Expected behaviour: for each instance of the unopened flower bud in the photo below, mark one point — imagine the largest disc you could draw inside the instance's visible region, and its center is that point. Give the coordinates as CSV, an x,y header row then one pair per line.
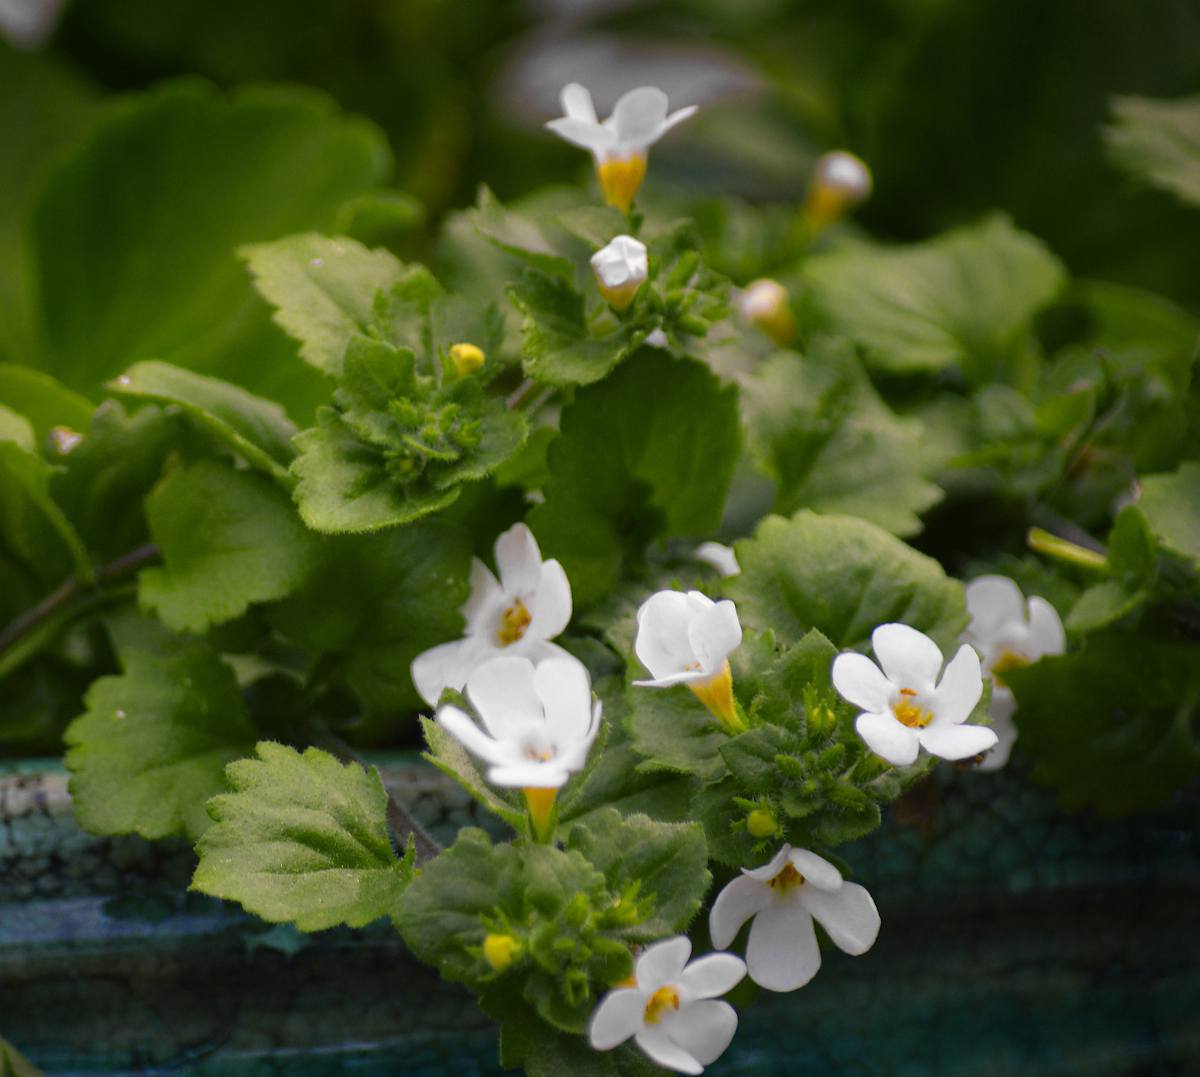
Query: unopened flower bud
x,y
761,824
499,951
620,269
467,358
765,304
840,182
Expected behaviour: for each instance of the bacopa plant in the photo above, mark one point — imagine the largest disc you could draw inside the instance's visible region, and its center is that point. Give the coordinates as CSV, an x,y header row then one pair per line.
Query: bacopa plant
x,y
629,535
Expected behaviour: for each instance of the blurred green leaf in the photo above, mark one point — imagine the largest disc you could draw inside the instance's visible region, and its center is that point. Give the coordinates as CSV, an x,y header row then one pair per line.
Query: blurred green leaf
x,y
1171,504
1159,142
44,402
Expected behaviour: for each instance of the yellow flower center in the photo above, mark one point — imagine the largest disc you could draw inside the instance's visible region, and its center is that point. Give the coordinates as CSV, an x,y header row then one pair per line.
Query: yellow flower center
x,y
787,879
665,998
910,713
1007,661
621,178
513,623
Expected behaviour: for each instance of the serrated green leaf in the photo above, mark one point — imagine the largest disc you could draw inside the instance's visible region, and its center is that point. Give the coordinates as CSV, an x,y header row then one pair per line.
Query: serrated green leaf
x,y
517,235
964,299
1159,142
671,729
228,539
302,839
153,744
257,430
667,861
1171,504
453,760
669,433
1114,726
843,577
831,444
323,290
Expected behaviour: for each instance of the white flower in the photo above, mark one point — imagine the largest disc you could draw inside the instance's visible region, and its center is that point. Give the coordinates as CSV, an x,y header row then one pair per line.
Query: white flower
x,y
721,557
764,303
620,269
687,639
905,706
28,24
1008,632
538,721
840,181
517,615
619,144
672,1013
784,897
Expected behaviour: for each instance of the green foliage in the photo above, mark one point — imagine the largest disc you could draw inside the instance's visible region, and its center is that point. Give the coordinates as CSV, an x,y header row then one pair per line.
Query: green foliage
x,y
302,838
669,434
1171,504
153,743
1116,725
44,402
1159,142
1132,567
228,539
787,585
831,444
965,299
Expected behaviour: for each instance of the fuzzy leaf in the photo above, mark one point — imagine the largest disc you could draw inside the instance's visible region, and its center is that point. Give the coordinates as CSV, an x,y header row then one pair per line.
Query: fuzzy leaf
x,y
302,839
1171,504
1159,141
453,760
228,539
153,744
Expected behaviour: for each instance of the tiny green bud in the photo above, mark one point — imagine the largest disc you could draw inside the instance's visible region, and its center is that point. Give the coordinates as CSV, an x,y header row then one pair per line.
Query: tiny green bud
x,y
761,824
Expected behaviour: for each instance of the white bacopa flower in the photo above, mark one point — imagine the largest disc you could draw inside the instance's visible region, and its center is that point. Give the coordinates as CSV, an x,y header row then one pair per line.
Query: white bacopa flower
x,y
764,303
620,268
905,706
840,181
1008,632
516,615
784,897
687,639
672,1010
719,556
619,144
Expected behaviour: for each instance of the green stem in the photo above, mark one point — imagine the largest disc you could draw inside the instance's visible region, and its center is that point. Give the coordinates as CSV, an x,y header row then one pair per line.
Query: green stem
x,y
1061,549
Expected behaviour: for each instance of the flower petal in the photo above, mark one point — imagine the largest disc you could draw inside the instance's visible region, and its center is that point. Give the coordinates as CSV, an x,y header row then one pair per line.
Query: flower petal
x,y
660,1048
712,975
714,634
704,1029
782,953
960,688
662,644
529,774
565,691
739,899
956,741
662,963
816,869
677,117
638,117
577,103
721,557
993,603
519,561
618,1017
485,593
590,136
1001,711
1045,628
908,657
888,738
471,737
862,682
551,602
503,693
848,915
772,867
445,666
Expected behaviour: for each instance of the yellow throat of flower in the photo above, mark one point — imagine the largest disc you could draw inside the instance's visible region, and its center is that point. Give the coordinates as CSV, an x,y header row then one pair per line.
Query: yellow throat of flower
x,y
664,999
716,693
513,623
1007,661
621,178
909,713
540,804
787,879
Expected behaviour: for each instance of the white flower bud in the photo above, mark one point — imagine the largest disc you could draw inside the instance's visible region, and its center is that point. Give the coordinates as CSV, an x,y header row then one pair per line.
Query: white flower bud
x,y
620,270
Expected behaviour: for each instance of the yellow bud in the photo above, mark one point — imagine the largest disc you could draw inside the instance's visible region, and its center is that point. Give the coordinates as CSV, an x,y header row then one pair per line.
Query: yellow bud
x,y
840,182
500,950
540,803
765,304
467,358
621,178
761,824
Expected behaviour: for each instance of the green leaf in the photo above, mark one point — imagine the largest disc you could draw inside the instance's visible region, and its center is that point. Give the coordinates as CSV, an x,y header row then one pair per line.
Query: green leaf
x,y
1133,563
140,262
152,746
1171,504
1115,726
667,861
964,299
323,290
517,235
228,539
786,584
1159,142
44,402
672,730
257,430
15,1064
831,444
452,759
302,839
669,434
